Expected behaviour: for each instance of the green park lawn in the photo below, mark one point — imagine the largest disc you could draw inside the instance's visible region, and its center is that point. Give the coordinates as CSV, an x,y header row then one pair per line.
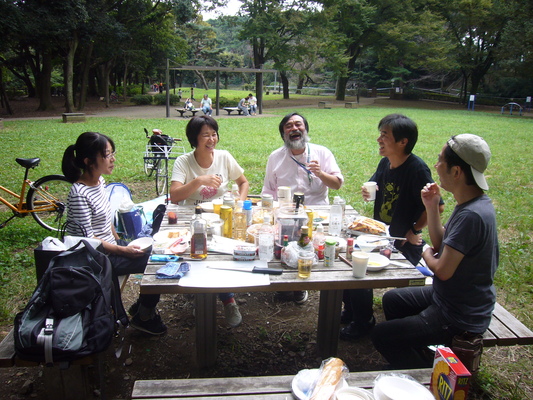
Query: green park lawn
x,y
351,135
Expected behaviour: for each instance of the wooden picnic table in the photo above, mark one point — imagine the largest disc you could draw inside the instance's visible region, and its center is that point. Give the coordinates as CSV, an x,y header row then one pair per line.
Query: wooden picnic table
x,y
330,281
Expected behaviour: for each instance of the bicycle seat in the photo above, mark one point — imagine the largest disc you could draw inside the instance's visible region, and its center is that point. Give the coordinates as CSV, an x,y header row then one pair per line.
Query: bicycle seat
x,y
160,140
28,162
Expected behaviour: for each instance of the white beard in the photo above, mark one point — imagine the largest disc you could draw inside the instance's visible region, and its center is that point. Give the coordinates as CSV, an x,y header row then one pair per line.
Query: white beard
x,y
298,144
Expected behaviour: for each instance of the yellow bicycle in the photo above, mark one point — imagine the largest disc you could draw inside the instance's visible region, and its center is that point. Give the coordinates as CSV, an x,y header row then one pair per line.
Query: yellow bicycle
x,y
46,198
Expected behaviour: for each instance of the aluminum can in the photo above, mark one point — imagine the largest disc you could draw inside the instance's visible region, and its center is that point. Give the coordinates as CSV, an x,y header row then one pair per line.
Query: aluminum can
x,y
310,219
226,215
284,195
298,199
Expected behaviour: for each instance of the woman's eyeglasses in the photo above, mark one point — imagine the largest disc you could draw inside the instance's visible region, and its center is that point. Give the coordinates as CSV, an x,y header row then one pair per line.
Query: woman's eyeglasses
x,y
108,156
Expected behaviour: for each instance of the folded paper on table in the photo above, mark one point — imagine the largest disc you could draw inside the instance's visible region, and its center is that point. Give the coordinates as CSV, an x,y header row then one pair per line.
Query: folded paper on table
x,y
201,276
223,245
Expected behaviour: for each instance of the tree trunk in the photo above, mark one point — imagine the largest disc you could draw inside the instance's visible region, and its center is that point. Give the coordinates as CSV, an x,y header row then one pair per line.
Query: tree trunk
x,y
202,78
3,94
340,90
300,84
84,84
285,82
124,80
45,84
69,73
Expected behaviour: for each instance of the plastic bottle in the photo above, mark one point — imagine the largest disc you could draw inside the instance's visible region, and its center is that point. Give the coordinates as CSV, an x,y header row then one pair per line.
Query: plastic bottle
x,y
319,241
335,219
247,208
304,240
284,249
198,235
235,192
329,252
239,222
349,248
266,240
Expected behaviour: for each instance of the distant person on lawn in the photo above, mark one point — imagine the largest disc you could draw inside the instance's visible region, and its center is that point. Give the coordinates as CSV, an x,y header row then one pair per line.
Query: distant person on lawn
x,y
207,105
464,259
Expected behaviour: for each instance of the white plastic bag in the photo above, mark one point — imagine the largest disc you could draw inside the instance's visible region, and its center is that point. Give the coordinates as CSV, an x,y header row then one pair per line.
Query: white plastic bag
x,y
53,244
289,254
126,205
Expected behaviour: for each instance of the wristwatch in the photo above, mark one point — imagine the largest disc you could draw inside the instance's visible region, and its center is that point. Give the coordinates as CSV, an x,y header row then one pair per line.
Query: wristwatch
x,y
415,231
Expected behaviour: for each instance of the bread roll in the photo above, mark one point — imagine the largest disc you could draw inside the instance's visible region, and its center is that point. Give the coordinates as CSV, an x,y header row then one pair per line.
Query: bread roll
x,y
330,376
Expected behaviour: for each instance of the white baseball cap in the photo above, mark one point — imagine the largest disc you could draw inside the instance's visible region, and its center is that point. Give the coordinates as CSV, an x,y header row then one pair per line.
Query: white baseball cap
x,y
473,150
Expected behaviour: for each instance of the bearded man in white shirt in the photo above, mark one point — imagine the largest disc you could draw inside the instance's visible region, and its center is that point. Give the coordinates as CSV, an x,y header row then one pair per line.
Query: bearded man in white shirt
x,y
305,167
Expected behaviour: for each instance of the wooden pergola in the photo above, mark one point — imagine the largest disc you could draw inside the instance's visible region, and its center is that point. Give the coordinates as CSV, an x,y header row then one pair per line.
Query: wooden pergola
x,y
258,81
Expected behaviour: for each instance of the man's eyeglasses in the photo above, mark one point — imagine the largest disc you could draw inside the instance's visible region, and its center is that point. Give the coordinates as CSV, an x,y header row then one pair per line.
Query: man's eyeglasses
x,y
108,156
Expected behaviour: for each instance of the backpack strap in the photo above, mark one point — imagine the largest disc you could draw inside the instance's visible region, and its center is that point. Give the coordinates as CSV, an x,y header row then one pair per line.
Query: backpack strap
x,y
116,299
45,338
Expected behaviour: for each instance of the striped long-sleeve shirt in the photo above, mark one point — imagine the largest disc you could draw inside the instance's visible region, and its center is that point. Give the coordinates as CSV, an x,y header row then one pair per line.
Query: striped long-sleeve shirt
x,y
89,207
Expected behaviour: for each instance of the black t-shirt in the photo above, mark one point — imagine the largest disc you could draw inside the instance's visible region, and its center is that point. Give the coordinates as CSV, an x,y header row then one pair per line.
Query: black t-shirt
x,y
398,201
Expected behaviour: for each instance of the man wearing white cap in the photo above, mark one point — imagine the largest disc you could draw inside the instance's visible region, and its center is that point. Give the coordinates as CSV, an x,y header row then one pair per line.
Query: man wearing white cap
x,y
464,259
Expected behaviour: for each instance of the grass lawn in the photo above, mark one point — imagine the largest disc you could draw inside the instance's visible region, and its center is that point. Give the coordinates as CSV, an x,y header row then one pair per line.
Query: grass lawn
x,y
351,135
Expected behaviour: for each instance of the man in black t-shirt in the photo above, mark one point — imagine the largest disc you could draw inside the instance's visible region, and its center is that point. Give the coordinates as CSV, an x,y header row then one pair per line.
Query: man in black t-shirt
x,y
464,259
400,176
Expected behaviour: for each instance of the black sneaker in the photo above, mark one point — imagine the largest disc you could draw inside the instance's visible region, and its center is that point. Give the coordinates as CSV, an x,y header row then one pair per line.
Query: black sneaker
x,y
134,308
346,317
153,326
355,331
300,296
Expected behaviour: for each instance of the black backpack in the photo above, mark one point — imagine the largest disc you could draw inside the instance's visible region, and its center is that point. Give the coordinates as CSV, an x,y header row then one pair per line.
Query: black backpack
x,y
75,310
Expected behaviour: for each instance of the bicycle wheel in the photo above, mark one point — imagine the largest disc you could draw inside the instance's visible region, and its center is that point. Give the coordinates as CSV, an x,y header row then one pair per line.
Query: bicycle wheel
x,y
48,198
161,177
148,161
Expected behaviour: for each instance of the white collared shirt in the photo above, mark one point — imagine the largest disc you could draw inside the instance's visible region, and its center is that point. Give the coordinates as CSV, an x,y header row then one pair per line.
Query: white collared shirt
x,y
281,170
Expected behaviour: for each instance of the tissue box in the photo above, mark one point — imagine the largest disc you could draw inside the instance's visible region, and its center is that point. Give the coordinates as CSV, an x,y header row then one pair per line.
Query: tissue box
x,y
450,378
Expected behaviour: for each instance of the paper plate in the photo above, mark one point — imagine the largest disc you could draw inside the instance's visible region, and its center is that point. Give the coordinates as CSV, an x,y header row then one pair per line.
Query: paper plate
x,y
302,383
376,262
400,388
144,243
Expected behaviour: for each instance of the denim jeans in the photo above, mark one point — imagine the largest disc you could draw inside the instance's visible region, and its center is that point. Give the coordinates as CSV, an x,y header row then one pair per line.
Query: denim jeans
x,y
413,323
206,110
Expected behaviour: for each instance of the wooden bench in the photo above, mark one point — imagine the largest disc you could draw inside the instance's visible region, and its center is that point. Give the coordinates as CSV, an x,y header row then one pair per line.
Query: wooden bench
x,y
182,111
61,383
73,117
231,109
324,104
350,104
247,388
506,330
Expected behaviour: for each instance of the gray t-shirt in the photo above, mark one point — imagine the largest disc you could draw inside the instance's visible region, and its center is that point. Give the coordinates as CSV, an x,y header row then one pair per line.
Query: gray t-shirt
x,y
467,298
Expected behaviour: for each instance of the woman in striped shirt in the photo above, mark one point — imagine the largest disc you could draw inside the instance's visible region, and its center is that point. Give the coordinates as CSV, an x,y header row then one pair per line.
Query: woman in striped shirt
x,y
83,164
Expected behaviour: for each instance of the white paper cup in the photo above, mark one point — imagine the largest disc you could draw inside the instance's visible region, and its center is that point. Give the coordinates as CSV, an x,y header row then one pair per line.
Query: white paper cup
x,y
359,264
371,187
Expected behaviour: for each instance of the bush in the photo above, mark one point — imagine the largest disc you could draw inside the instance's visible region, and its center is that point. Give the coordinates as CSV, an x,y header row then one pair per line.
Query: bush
x,y
225,102
142,99
133,90
161,99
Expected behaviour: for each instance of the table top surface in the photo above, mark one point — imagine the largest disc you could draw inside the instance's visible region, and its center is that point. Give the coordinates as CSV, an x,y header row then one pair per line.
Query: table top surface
x,y
337,277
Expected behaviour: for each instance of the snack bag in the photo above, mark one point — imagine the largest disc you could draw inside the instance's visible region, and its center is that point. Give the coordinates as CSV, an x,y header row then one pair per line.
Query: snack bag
x,y
450,378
